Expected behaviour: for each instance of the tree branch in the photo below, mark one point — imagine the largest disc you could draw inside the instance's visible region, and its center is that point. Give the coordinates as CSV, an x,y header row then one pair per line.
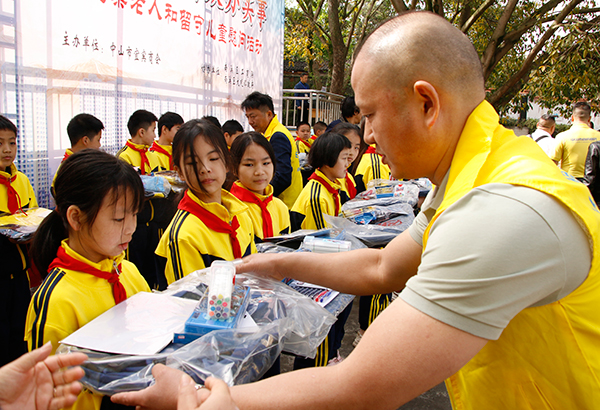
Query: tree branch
x,y
475,16
399,6
357,11
528,63
313,19
487,60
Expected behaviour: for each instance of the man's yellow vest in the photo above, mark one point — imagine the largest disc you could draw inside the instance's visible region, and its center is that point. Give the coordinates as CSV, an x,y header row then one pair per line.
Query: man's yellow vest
x,y
548,357
289,195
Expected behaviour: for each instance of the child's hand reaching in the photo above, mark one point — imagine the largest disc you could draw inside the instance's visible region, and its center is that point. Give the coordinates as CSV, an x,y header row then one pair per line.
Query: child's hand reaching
x,y
215,395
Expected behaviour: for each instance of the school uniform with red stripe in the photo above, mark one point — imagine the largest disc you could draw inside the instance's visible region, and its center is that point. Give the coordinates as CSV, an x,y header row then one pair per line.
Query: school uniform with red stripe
x,y
141,157
75,292
348,188
319,196
303,146
164,153
270,216
16,193
201,233
369,168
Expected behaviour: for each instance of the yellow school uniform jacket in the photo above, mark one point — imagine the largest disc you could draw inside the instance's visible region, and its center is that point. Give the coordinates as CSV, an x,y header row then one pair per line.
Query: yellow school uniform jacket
x,y
347,184
280,215
369,168
314,201
287,181
163,159
303,146
13,256
68,153
135,159
67,300
188,244
547,357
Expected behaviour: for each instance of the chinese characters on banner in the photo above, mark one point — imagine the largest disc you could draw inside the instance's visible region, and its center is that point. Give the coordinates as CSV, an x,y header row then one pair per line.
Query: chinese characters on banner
x,y
251,11
111,57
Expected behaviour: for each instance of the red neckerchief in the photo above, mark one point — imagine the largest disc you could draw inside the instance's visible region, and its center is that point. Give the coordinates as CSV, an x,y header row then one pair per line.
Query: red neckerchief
x,y
142,152
350,186
332,191
157,148
371,150
302,141
14,201
213,222
66,261
67,155
244,195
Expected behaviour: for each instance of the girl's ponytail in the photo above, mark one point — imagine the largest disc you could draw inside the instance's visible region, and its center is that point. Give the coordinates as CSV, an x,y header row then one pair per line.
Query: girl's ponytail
x,y
46,241
84,180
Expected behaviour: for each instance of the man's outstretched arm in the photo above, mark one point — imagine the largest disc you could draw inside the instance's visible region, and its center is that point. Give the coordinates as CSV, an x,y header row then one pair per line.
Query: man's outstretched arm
x,y
360,272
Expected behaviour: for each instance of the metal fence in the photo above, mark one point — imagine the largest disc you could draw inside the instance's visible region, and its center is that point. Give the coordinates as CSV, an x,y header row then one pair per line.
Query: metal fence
x,y
322,106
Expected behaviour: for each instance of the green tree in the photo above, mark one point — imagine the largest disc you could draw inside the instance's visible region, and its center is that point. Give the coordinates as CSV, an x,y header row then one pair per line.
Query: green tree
x,y
545,48
334,28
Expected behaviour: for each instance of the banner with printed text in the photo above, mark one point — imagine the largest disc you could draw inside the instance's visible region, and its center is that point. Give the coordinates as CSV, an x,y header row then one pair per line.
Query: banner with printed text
x,y
112,57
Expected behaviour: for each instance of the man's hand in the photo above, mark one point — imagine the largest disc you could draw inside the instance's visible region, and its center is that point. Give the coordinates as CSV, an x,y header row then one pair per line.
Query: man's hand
x,y
36,381
215,395
262,265
161,395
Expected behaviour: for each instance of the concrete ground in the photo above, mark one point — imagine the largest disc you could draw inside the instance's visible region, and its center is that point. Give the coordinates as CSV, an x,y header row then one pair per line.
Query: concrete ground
x,y
434,399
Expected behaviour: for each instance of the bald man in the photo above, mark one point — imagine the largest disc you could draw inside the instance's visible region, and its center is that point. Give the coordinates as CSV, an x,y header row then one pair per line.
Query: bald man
x,y
543,134
500,297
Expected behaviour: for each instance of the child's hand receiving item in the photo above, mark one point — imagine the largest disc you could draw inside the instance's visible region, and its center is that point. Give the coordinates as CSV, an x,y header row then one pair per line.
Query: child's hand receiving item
x,y
214,396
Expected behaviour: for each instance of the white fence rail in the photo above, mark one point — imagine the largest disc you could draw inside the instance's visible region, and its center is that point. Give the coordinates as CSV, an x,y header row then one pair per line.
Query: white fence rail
x,y
322,106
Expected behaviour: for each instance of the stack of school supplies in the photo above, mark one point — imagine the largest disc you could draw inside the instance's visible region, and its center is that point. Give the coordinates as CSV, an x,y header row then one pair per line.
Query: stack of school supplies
x,y
21,226
323,296
401,191
282,319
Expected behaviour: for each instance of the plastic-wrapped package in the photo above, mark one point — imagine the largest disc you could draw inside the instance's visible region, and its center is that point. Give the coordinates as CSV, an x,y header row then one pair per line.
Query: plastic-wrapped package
x,y
267,247
375,211
21,226
235,356
177,184
374,236
286,320
155,186
378,189
270,301
424,185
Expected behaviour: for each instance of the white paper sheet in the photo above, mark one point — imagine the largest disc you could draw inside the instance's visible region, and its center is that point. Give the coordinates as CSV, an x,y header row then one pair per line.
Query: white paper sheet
x,y
141,325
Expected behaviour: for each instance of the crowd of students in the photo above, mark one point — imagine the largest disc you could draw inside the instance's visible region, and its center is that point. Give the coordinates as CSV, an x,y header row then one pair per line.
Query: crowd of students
x,y
105,241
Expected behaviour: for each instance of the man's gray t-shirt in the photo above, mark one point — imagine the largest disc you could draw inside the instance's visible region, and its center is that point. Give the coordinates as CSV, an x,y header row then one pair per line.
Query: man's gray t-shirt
x,y
497,250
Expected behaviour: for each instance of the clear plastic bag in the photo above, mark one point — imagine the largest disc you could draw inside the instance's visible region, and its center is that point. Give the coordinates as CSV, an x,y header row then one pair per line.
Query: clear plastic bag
x,y
380,189
155,186
271,301
374,236
268,247
286,320
21,226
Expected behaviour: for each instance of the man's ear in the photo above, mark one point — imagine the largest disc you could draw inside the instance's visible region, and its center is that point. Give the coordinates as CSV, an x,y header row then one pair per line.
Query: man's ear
x,y
429,99
85,140
75,217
